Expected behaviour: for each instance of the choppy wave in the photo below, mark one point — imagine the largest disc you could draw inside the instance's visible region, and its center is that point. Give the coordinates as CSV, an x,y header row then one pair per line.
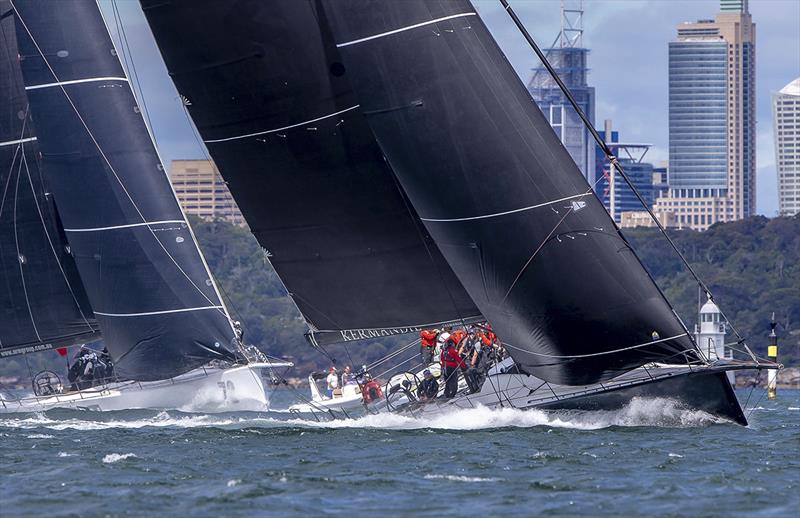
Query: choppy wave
x,y
461,478
639,412
116,457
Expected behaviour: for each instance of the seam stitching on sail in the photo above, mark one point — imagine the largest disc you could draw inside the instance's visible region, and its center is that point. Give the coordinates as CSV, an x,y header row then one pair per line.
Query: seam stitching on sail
x,y
18,141
148,313
75,82
282,128
403,29
146,223
470,218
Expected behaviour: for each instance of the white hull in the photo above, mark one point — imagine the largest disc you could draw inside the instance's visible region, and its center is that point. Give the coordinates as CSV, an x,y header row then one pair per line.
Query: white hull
x,y
208,389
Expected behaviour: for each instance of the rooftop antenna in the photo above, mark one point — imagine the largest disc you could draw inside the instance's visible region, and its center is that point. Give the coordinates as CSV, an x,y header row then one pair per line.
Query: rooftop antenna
x,y
571,35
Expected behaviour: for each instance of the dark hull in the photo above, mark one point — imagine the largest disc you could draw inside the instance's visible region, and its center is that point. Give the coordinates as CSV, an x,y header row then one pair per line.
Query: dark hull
x,y
704,388
707,391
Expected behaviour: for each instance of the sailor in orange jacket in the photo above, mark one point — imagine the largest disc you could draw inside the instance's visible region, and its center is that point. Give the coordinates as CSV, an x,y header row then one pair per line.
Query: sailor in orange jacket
x,y
427,344
451,364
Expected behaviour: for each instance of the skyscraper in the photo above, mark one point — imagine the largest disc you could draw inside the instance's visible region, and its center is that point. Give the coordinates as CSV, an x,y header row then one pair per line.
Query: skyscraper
x,y
712,119
786,124
568,57
617,193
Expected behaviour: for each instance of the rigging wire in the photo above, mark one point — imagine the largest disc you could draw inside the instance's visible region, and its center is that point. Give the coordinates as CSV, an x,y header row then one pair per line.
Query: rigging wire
x,y
607,151
127,54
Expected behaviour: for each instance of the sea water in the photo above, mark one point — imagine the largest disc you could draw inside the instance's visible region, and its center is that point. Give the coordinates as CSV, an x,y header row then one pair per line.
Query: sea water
x,y
650,458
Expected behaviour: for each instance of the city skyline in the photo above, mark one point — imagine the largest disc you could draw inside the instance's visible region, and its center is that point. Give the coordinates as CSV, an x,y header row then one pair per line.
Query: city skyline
x,y
627,61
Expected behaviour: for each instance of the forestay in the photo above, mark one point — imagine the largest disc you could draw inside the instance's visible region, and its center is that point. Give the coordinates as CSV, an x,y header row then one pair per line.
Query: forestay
x,y
151,291
268,93
519,225
42,301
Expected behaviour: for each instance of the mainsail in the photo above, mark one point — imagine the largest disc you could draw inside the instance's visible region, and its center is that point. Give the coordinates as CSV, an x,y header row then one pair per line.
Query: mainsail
x,y
140,264
519,225
268,93
42,301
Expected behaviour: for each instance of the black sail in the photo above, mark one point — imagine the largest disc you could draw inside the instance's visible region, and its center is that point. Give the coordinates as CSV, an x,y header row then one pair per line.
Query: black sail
x,y
519,225
42,301
148,284
266,90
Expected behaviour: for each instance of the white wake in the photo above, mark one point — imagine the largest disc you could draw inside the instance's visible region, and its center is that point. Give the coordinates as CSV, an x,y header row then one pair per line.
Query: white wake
x,y
639,412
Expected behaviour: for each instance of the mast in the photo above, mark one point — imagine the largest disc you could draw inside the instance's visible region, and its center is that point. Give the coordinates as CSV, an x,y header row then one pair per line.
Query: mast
x,y
150,288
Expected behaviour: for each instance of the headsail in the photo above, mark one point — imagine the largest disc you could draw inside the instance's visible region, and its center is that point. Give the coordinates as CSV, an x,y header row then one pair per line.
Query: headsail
x,y
267,93
520,226
150,288
42,301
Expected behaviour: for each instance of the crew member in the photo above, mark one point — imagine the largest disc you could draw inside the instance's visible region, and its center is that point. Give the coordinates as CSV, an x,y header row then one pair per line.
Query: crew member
x,y
332,381
81,372
348,378
451,362
371,390
428,387
482,359
427,344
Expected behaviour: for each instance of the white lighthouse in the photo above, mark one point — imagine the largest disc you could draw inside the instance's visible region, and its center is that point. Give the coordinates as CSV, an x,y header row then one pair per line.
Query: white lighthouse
x,y
710,334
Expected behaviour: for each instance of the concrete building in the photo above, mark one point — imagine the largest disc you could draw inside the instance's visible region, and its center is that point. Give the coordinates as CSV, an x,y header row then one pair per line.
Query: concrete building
x,y
786,126
615,193
633,219
712,119
569,58
202,192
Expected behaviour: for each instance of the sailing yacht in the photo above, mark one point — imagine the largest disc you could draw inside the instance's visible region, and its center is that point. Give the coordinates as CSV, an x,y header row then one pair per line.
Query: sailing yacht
x,y
398,172
94,244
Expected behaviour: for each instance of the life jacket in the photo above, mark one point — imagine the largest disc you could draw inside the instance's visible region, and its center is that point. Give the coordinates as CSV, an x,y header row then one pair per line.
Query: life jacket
x,y
457,336
371,391
450,357
488,337
428,338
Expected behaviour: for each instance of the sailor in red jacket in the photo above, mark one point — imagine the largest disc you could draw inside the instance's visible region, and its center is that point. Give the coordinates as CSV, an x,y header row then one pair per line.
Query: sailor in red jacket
x,y
451,364
427,344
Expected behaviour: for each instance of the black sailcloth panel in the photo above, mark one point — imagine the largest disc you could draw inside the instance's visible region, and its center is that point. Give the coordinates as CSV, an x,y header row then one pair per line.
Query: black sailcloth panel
x,y
509,209
147,282
266,91
42,301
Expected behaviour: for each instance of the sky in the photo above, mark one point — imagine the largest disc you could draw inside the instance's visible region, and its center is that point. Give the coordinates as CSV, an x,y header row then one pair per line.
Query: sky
x,y
627,60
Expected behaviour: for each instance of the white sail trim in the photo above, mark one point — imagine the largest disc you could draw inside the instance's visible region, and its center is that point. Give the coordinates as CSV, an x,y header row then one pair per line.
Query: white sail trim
x,y
248,135
403,29
150,313
545,204
75,82
19,141
146,223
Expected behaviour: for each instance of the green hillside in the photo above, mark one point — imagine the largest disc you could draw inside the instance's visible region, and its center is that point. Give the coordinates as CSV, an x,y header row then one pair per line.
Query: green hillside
x,y
752,267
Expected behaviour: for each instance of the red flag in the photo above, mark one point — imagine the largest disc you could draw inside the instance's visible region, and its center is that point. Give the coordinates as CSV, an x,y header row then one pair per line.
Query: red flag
x,y
62,351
